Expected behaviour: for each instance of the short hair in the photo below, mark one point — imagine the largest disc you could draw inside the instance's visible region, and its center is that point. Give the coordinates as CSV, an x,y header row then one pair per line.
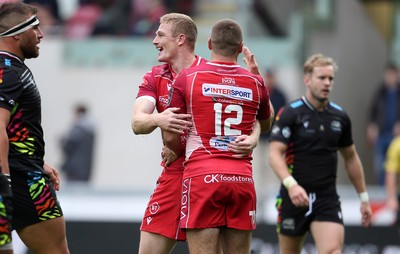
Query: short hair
x,y
226,37
318,60
181,24
13,13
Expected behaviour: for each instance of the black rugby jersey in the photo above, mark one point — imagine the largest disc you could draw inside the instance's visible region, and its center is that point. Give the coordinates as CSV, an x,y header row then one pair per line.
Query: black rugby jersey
x,y
19,95
313,139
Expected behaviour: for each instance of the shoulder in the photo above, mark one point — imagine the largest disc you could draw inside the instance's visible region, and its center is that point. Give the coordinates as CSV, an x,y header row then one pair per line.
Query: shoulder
x,y
296,104
161,70
337,109
11,62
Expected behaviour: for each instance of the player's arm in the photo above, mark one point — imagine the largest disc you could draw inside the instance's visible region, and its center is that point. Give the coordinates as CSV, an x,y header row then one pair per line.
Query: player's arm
x,y
144,120
267,124
391,172
4,143
243,145
297,194
355,173
391,190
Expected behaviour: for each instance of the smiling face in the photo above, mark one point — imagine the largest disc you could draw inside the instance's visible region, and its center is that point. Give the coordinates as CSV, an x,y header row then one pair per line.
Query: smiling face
x,y
319,83
166,43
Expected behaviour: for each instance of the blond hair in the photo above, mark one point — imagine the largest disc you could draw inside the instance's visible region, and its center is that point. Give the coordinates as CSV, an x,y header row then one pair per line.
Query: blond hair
x,y
318,60
181,24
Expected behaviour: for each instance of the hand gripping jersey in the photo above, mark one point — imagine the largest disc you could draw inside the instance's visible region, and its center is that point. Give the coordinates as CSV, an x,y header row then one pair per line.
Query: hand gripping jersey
x,y
313,139
224,101
156,87
20,95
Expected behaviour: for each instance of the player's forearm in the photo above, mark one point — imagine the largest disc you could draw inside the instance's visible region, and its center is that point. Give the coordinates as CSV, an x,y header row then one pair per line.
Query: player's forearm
x,y
256,130
4,146
267,124
391,185
172,141
355,173
143,123
278,164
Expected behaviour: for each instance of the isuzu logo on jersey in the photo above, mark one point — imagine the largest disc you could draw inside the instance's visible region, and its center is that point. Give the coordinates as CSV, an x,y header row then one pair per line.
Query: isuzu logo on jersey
x,y
227,91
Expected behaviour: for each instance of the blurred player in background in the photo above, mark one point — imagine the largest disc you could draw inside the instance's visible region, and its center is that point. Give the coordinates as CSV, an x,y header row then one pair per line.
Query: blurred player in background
x,y
305,139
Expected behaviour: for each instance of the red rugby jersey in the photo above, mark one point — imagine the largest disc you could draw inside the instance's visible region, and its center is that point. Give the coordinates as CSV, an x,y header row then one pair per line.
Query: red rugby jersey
x,y
156,87
225,100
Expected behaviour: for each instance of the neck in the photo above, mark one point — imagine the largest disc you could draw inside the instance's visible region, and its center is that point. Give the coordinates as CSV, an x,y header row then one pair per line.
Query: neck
x,y
10,46
227,59
183,61
317,104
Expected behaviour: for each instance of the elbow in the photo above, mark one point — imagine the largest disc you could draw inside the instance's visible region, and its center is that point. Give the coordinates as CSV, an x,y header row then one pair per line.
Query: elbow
x,y
135,128
138,128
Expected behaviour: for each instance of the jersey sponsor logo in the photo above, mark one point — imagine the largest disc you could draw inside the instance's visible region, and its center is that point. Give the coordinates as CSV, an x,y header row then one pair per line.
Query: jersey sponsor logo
x,y
149,219
288,224
233,92
216,178
230,81
1,75
336,126
154,208
7,62
163,100
286,132
221,142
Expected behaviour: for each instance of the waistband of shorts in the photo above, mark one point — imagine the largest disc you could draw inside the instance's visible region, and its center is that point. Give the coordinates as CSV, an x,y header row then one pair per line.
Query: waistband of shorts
x,y
18,158
227,178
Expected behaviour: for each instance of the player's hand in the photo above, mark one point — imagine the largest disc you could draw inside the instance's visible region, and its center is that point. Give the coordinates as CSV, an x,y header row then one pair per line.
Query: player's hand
x,y
168,156
170,121
53,174
250,61
298,196
366,214
242,146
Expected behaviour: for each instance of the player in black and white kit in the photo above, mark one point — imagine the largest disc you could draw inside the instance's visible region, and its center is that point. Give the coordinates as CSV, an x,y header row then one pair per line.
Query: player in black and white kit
x,y
304,142
37,216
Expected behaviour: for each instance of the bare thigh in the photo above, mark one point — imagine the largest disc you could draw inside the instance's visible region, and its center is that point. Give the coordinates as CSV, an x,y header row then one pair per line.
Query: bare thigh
x,y
291,244
47,237
203,241
328,236
151,243
236,241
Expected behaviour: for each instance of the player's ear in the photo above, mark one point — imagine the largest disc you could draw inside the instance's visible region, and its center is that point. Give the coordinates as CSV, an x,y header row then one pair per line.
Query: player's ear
x,y
306,78
181,39
209,44
240,49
